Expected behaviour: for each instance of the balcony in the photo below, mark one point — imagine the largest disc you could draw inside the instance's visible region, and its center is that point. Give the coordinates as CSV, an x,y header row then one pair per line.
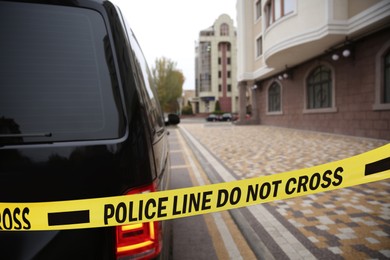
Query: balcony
x,y
316,26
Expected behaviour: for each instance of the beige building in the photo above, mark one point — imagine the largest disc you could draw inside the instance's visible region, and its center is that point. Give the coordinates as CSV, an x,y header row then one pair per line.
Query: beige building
x,y
320,65
187,99
216,67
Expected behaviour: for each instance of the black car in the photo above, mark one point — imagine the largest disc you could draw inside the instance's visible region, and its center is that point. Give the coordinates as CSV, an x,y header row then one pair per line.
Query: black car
x,y
227,117
212,118
172,119
79,118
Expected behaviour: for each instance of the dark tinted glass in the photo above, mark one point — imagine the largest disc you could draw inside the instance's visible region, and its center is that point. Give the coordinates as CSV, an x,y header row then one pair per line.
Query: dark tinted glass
x,y
319,88
387,78
55,82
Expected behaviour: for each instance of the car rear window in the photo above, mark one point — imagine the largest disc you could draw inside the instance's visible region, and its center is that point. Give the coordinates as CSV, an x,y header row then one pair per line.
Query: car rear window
x,y
56,80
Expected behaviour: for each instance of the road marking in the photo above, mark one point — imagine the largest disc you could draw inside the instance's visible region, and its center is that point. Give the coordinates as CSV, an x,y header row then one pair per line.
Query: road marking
x,y
183,166
230,245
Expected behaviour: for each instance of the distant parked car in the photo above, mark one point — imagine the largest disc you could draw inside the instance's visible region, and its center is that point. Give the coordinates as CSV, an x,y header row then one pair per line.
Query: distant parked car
x,y
212,118
173,119
227,117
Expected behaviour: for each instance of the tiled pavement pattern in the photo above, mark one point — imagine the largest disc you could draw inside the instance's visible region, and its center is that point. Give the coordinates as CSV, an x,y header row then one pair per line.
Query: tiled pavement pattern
x,y
350,223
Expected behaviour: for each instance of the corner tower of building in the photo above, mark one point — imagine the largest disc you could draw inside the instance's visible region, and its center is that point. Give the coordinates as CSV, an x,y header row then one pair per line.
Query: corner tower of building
x,y
316,65
215,67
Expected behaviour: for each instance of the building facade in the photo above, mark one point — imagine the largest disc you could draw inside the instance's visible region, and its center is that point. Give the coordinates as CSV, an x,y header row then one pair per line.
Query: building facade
x,y
188,99
316,65
216,67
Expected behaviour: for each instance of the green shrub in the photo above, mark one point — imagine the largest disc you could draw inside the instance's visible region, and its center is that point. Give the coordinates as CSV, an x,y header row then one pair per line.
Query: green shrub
x,y
187,110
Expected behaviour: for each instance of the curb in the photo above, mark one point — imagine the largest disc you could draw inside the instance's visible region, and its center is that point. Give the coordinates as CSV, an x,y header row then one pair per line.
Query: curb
x,y
255,243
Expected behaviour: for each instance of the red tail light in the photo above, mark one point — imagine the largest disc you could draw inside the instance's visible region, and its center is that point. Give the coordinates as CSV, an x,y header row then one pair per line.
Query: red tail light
x,y
139,241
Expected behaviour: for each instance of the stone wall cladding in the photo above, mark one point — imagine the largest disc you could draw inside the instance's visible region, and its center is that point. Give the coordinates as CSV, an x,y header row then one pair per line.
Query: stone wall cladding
x,y
354,95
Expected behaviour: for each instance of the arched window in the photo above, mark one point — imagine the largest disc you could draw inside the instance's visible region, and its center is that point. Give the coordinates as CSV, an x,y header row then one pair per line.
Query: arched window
x,y
224,29
274,97
319,88
382,78
386,80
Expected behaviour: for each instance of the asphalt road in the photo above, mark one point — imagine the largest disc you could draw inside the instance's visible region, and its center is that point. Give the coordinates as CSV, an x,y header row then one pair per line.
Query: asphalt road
x,y
210,236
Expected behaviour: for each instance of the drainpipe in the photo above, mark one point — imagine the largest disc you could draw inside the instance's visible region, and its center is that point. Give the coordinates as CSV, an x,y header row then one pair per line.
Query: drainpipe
x,y
242,102
255,112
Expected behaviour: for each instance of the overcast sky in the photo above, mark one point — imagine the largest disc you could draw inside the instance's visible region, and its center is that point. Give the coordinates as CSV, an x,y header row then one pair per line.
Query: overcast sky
x,y
169,28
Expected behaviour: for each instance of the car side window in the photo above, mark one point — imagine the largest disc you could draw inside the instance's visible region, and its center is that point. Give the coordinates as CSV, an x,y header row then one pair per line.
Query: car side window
x,y
151,93
148,90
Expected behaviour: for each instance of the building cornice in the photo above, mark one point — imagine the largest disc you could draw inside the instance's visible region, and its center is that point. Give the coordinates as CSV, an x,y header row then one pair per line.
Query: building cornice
x,y
312,42
372,15
261,72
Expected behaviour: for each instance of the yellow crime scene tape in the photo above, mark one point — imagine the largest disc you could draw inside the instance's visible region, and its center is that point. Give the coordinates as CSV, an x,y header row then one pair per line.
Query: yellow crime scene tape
x,y
120,210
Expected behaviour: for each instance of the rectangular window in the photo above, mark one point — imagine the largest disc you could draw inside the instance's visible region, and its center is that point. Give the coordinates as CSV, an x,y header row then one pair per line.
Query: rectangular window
x,y
228,74
56,74
288,6
276,9
269,14
259,46
219,74
229,87
258,10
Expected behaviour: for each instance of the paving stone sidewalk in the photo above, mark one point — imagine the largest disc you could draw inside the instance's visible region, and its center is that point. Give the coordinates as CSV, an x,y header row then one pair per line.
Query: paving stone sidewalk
x,y
350,223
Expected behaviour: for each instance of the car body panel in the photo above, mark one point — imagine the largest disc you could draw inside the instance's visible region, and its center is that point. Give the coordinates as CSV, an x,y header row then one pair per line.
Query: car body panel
x,y
212,118
131,150
227,117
